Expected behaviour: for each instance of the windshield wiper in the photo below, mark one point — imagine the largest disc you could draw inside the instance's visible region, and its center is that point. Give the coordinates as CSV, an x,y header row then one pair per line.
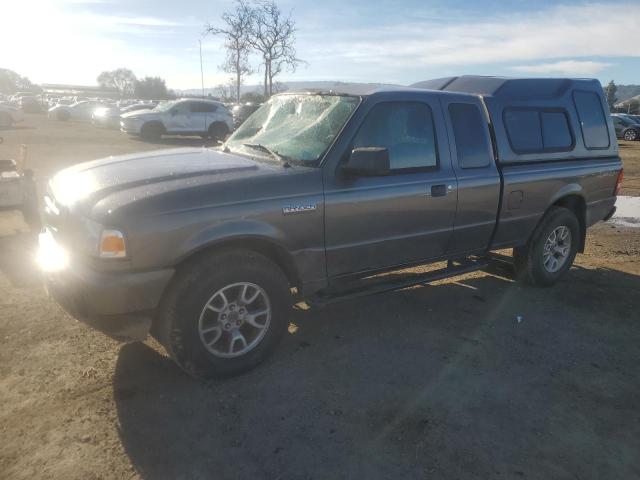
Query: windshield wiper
x,y
280,158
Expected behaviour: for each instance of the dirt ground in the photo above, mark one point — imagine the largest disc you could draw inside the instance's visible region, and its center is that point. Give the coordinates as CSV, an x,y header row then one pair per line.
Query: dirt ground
x,y
431,382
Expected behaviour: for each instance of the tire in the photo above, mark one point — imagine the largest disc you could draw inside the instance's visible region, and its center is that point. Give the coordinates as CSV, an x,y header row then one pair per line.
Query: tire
x,y
193,307
535,267
6,120
631,135
217,131
151,132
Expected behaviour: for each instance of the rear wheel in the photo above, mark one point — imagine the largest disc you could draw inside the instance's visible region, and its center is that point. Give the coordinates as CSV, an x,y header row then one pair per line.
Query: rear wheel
x,y
551,249
218,131
631,135
151,132
224,313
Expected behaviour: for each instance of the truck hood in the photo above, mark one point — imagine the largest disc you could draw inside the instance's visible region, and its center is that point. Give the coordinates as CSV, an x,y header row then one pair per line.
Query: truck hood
x,y
89,182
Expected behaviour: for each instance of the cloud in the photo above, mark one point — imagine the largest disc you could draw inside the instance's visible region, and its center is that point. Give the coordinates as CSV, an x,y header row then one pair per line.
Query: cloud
x,y
566,67
576,31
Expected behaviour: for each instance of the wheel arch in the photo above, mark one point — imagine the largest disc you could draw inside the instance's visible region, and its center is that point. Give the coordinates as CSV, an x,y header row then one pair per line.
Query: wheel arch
x,y
266,246
154,122
574,201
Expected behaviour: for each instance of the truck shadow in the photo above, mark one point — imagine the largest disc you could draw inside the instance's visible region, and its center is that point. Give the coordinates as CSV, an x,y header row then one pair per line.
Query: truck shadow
x,y
460,380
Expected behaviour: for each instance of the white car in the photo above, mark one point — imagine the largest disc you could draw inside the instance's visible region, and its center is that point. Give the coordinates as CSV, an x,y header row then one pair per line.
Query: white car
x,y
76,111
10,115
206,118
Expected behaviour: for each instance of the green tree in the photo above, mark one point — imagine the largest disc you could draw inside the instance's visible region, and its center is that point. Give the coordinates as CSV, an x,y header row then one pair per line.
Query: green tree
x,y
151,88
610,90
11,82
121,79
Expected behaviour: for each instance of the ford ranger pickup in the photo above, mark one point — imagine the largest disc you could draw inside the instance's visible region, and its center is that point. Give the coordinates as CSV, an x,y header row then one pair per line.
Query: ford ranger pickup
x,y
324,197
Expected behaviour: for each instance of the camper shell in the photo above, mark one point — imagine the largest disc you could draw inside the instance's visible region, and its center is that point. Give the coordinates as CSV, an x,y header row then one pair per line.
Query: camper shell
x,y
538,108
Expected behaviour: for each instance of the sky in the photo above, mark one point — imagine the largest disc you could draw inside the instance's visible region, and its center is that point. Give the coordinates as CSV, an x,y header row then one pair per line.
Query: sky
x,y
400,42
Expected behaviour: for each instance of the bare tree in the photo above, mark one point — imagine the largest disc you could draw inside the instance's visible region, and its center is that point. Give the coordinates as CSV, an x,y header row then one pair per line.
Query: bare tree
x,y
226,91
236,31
273,36
122,79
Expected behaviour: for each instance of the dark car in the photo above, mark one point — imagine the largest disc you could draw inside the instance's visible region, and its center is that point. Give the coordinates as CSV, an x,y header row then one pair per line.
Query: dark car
x,y
329,197
241,112
626,128
635,118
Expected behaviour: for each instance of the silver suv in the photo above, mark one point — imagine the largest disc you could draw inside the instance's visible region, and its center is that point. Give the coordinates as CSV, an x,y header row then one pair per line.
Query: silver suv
x,y
206,118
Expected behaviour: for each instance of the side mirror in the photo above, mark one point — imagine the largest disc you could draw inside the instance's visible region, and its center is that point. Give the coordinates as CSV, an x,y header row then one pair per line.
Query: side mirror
x,y
367,162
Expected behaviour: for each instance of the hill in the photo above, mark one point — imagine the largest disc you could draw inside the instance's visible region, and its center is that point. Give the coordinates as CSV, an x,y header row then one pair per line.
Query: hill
x,y
351,87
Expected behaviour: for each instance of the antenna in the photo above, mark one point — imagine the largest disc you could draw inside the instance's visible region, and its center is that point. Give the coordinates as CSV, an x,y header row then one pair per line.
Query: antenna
x,y
201,69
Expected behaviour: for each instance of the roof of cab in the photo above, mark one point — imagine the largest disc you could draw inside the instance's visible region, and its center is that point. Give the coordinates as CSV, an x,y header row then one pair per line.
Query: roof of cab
x,y
508,88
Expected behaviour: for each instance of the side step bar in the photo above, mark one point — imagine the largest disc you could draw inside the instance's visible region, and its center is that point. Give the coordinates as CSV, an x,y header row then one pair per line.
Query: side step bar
x,y
392,282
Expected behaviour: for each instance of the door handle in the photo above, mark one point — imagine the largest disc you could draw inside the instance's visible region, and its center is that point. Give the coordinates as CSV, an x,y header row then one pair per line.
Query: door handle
x,y
438,190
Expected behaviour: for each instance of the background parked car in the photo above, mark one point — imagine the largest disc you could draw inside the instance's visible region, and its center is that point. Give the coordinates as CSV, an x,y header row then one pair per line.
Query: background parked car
x,y
109,115
206,118
30,104
635,118
78,111
9,115
241,112
625,127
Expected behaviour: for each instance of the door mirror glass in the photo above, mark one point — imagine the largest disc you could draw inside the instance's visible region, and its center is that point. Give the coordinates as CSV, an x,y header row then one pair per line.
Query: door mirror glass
x,y
367,162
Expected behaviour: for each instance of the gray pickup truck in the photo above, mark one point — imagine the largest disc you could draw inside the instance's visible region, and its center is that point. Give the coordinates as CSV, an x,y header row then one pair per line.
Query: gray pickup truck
x,y
325,196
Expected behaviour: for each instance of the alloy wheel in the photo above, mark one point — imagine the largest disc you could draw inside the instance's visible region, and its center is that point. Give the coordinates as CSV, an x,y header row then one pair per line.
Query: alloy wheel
x,y
235,319
557,249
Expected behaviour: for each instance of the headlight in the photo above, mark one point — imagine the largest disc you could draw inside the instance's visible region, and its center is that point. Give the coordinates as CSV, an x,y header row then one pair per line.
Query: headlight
x,y
51,256
112,244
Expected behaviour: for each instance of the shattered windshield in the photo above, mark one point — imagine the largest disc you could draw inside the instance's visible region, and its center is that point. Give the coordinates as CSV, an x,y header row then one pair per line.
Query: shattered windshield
x,y
295,127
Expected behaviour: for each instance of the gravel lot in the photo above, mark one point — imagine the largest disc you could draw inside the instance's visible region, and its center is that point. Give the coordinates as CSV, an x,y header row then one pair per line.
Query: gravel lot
x,y
431,382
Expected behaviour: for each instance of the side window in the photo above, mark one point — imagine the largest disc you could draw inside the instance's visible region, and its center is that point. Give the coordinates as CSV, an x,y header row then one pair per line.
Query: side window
x,y
406,129
181,109
556,134
592,119
533,130
202,107
524,130
472,144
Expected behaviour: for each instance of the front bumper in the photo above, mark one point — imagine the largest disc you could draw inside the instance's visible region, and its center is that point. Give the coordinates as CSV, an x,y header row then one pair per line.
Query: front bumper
x,y
120,304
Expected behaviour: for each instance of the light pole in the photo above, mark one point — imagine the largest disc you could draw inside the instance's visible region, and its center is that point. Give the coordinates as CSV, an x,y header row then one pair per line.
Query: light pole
x,y
201,69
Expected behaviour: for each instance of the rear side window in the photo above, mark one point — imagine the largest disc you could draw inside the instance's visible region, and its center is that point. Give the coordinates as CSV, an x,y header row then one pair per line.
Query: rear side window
x,y
592,120
556,134
534,130
404,128
472,145
524,130
202,107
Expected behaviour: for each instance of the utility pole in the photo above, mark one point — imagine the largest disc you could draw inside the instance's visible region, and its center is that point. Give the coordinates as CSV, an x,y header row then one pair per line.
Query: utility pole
x,y
201,69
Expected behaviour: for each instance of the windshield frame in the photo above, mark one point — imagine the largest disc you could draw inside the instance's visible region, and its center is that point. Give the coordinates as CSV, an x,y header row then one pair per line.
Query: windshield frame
x,y
305,163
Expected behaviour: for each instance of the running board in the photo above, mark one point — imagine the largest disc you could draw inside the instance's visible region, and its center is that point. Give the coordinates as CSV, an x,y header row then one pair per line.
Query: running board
x,y
388,283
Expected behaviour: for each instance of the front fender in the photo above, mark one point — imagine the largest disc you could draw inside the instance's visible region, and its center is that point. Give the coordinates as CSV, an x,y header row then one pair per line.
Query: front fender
x,y
229,231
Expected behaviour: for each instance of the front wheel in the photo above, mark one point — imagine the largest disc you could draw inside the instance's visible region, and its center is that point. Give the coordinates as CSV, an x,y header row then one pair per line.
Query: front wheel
x,y
224,313
631,135
151,132
551,249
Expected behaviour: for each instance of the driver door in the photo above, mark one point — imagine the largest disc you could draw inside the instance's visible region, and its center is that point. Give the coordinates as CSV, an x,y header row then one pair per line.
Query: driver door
x,y
380,222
